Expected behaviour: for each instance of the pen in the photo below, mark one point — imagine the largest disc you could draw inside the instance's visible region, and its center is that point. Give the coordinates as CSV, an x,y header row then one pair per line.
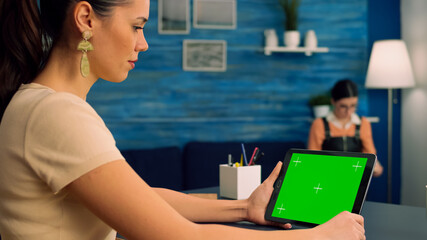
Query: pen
x,y
258,157
244,154
230,160
241,159
255,153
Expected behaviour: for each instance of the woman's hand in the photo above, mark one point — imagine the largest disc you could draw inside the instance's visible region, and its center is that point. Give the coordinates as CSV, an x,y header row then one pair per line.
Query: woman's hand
x,y
257,202
345,225
378,169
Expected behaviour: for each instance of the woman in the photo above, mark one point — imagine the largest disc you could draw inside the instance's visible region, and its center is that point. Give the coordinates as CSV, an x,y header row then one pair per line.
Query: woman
x,y
61,175
342,129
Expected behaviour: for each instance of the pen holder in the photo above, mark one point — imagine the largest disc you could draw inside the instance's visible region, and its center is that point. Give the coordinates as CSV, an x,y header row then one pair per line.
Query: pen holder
x,y
238,182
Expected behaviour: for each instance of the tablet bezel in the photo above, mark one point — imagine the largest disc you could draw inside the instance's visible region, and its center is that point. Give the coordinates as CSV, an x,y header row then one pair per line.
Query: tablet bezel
x,y
361,194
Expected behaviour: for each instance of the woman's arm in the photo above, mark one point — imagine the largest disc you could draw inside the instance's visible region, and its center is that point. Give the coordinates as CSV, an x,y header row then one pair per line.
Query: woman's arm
x,y
198,209
368,144
316,135
116,194
205,210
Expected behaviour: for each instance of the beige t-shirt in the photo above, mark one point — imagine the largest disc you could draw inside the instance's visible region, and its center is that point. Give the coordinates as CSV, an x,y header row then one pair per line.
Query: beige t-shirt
x,y
47,140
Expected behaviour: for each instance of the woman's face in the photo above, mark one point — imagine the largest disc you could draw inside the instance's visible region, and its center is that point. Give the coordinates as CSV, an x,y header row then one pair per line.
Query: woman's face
x,y
344,107
117,41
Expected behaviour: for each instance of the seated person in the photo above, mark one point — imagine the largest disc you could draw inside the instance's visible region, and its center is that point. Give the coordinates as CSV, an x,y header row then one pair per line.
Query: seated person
x,y
342,129
61,175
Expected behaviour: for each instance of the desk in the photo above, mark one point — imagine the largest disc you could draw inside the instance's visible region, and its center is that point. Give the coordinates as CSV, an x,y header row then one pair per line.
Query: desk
x,y
383,221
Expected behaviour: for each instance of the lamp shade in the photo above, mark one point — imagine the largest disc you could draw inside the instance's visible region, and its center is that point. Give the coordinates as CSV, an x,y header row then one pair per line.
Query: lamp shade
x,y
389,66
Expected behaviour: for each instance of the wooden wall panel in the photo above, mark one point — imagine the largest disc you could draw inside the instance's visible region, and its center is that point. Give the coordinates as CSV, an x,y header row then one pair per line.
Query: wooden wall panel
x,y
258,98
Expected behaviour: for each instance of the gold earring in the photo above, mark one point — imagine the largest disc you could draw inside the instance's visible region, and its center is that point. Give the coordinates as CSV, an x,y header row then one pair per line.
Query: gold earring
x,y
84,46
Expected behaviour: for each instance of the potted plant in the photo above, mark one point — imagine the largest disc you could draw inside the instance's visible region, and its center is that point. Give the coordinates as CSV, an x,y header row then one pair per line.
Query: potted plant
x,y
320,104
291,35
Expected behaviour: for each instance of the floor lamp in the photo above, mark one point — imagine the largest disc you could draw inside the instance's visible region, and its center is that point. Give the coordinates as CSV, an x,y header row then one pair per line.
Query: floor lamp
x,y
389,68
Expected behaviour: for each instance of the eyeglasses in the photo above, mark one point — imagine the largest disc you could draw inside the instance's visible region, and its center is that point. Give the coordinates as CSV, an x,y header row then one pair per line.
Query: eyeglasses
x,y
343,107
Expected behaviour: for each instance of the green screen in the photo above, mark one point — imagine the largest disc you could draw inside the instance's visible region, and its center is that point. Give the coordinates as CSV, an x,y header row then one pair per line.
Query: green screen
x,y
318,187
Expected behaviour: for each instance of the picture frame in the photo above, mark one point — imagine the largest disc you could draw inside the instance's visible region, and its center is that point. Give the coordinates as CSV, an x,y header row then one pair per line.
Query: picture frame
x,y
174,16
205,55
215,14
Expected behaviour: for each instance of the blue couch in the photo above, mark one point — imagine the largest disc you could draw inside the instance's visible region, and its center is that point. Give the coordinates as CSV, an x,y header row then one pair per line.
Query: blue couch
x,y
197,164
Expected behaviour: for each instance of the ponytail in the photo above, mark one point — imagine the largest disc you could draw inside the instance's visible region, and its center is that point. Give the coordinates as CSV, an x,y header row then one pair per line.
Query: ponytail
x,y
21,41
27,37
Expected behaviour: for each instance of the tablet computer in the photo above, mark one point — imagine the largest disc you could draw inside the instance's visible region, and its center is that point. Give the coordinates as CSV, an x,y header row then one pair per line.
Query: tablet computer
x,y
314,186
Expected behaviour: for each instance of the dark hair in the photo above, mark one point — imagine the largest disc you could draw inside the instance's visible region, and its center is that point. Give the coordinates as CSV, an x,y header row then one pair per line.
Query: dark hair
x,y
343,89
27,37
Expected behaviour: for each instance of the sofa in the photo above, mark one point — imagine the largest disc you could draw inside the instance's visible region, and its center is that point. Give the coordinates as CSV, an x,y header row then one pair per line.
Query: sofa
x,y
196,165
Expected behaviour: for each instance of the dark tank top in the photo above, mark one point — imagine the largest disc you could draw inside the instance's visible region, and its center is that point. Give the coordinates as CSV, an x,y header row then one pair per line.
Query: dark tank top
x,y
346,144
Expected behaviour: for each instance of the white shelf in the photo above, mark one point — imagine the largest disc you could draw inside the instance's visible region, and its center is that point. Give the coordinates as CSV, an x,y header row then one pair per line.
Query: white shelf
x,y
307,51
373,119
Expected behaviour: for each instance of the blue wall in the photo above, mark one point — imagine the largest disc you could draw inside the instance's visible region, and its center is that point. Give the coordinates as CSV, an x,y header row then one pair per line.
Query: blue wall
x,y
259,97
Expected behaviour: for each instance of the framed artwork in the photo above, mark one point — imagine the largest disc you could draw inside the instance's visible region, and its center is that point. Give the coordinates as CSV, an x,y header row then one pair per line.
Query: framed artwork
x,y
205,55
174,16
215,14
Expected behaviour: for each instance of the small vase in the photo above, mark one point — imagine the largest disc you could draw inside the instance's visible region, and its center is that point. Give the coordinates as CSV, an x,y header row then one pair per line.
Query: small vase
x,y
310,40
271,39
292,39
